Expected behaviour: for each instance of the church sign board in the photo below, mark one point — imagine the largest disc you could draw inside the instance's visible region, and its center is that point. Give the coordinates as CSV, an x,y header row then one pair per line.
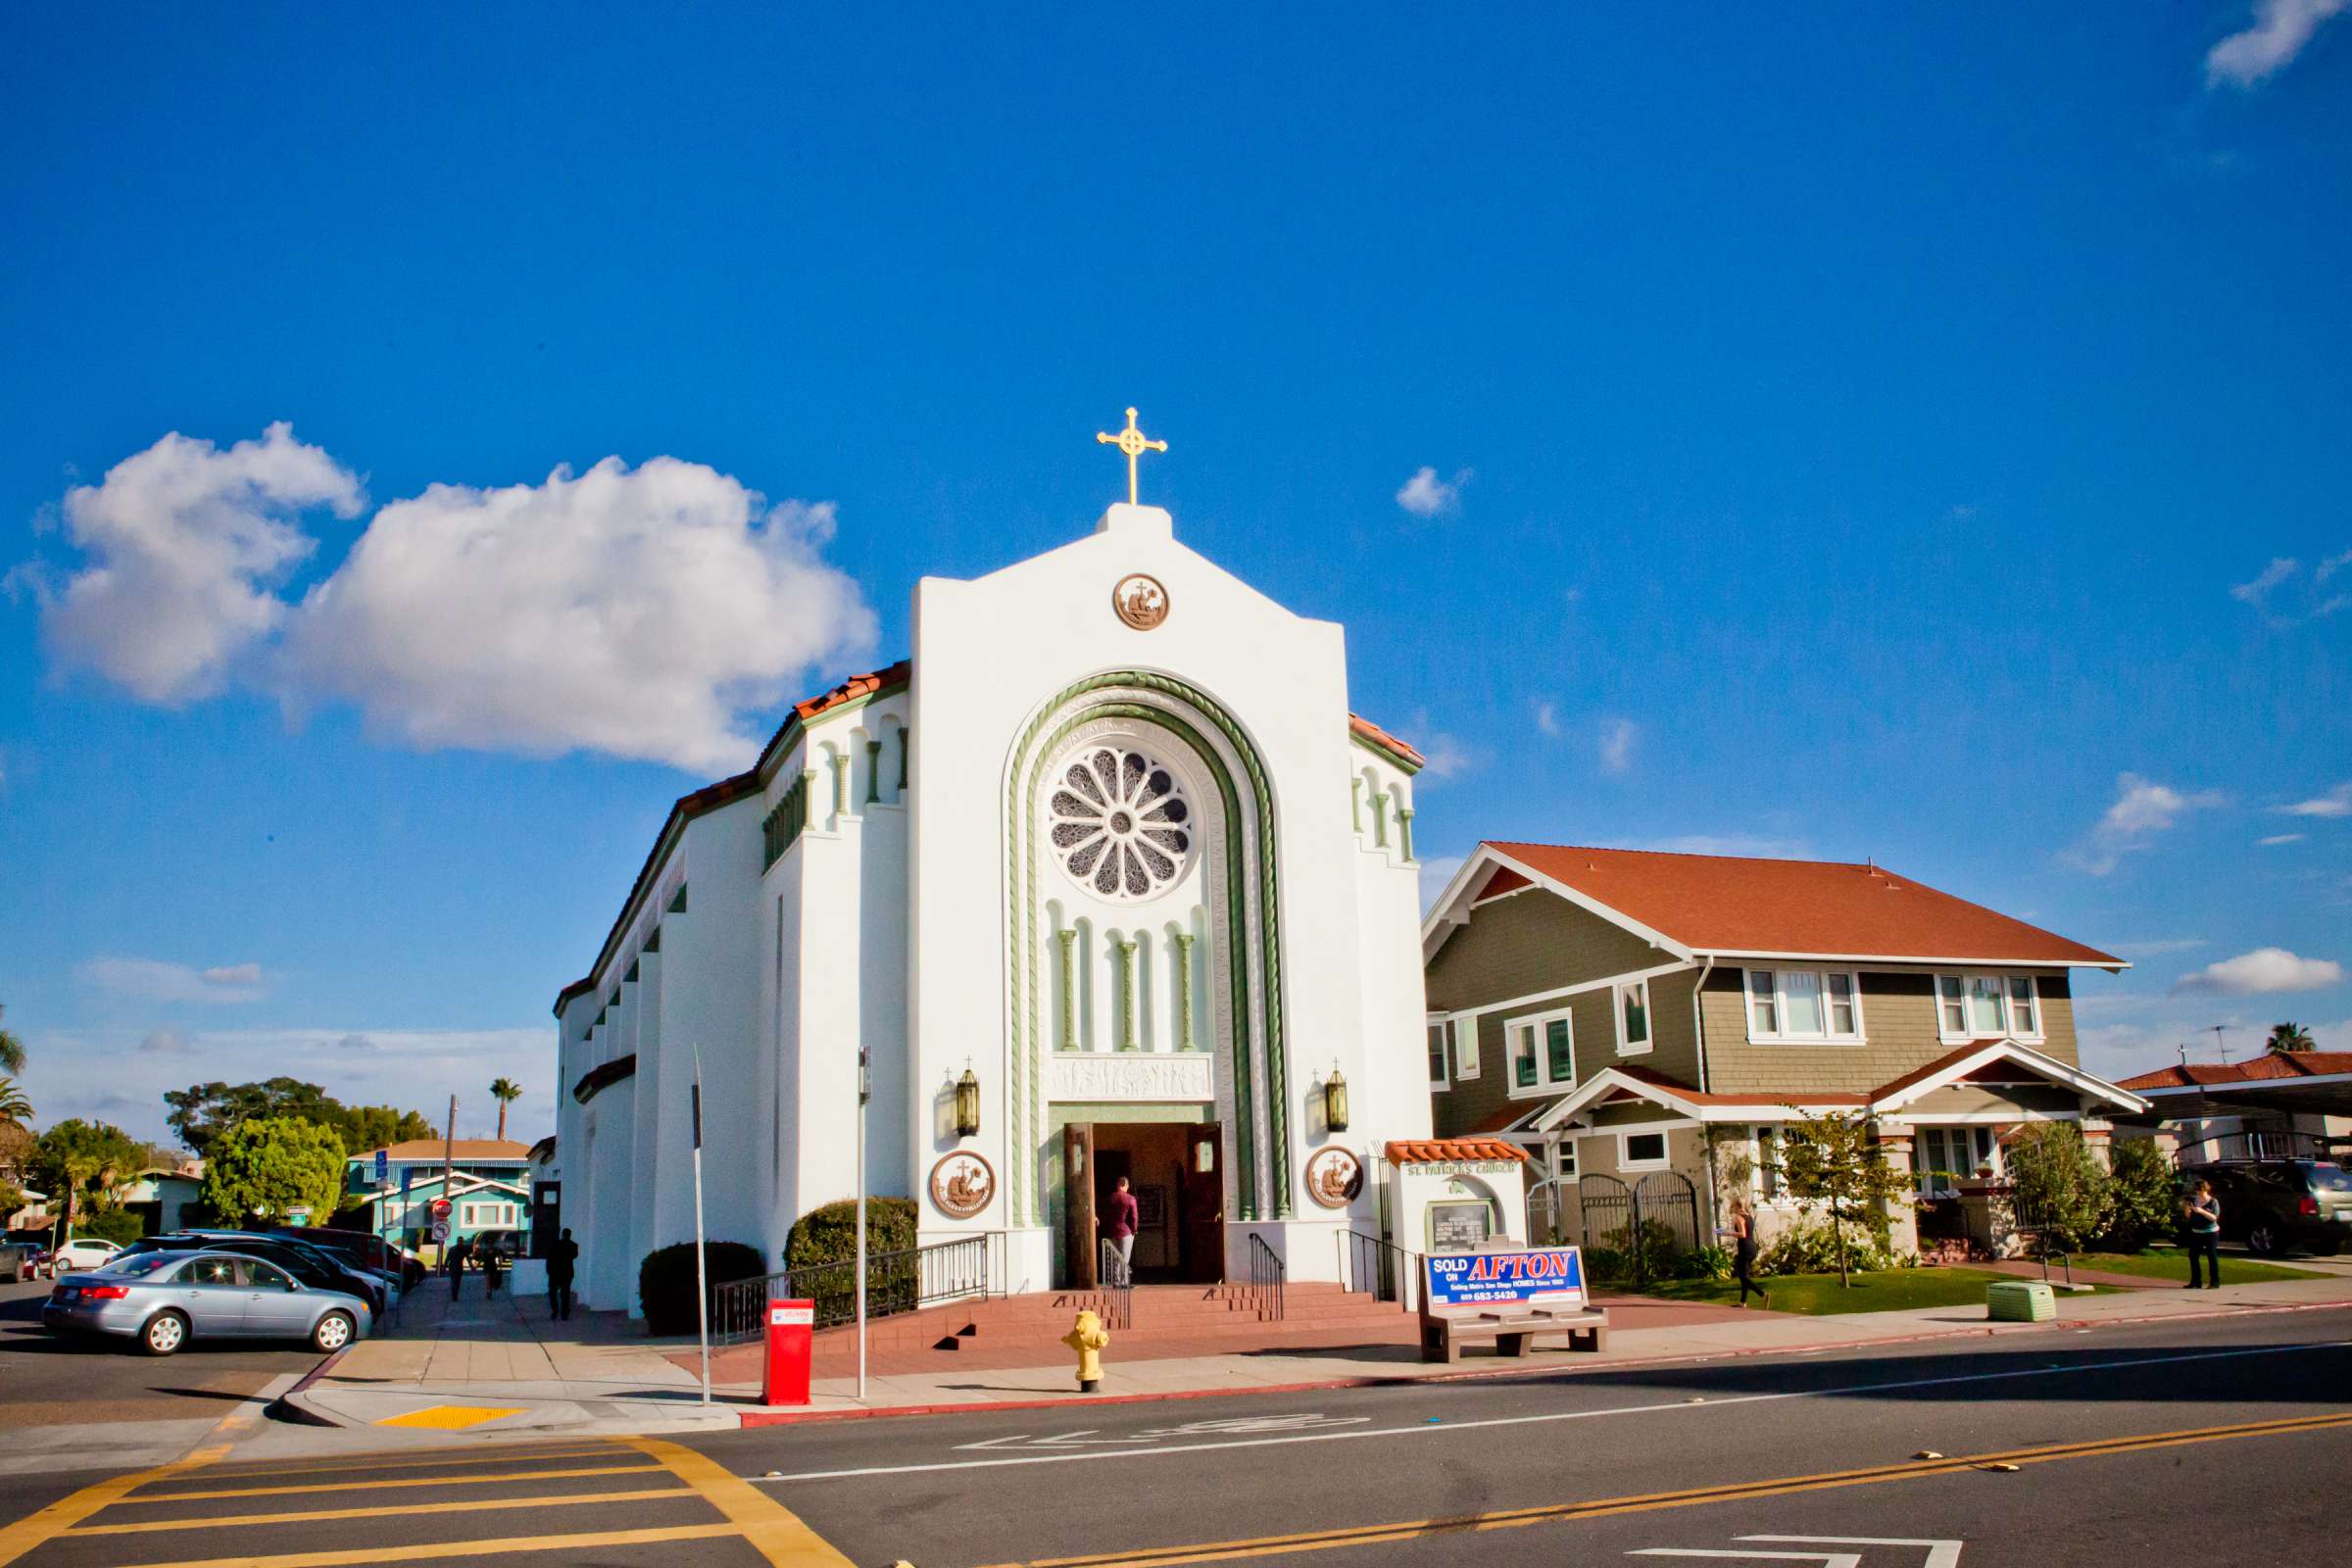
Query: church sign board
x,y
1544,1276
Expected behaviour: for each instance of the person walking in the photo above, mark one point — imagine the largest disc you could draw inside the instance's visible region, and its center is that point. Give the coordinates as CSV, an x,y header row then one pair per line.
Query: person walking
x,y
493,1266
561,1253
453,1258
2202,1222
1124,1216
1742,1232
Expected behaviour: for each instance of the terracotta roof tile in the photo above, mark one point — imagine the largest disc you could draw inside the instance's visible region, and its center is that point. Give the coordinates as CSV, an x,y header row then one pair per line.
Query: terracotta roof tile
x,y
2272,1066
1359,725
1733,905
1435,1150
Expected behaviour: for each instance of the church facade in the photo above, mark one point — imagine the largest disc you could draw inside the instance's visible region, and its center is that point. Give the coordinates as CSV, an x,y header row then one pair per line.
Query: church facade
x,y
1106,881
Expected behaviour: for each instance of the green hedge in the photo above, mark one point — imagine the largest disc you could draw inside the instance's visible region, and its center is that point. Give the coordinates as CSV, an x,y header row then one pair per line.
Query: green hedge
x,y
830,1236
665,1281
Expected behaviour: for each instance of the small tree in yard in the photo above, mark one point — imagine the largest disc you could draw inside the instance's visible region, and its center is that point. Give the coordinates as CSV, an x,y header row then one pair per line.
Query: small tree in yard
x,y
2142,1201
2061,1191
76,1158
272,1166
1830,1163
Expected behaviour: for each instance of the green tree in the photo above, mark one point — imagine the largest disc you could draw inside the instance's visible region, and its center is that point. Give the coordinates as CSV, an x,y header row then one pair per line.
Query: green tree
x,y
506,1090
365,1127
12,1051
1831,1164
14,1107
2142,1199
201,1112
2060,1189
273,1165
2288,1039
78,1160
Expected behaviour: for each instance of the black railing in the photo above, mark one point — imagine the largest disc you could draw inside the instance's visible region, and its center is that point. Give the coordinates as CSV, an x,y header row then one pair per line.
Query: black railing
x,y
895,1282
1265,1278
1379,1268
1113,1296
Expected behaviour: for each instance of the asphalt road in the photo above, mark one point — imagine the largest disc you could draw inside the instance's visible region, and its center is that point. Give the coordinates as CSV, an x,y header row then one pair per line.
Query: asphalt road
x,y
47,1380
2226,1439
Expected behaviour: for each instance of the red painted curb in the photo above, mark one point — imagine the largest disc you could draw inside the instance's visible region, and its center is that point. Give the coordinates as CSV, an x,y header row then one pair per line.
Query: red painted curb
x,y
755,1416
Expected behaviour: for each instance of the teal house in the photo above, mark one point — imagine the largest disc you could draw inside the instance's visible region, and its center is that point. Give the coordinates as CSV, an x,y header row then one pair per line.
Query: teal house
x,y
487,1184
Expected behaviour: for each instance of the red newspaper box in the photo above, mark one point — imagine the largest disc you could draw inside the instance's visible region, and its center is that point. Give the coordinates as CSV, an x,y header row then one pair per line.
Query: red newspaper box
x,y
789,1326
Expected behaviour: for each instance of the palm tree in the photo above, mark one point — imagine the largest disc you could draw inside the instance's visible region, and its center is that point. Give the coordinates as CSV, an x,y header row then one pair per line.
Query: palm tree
x,y
507,1091
12,1051
2290,1038
14,1107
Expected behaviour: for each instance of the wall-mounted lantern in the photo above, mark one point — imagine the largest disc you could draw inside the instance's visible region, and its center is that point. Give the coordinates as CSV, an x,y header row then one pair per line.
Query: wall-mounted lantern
x,y
1335,1101
968,1104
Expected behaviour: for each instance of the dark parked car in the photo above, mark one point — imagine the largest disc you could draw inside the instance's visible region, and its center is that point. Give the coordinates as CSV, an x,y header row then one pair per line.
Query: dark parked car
x,y
2273,1204
507,1244
360,1250
315,1269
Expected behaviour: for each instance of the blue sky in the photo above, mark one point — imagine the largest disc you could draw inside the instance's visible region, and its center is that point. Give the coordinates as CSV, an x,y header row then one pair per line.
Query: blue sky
x,y
1847,433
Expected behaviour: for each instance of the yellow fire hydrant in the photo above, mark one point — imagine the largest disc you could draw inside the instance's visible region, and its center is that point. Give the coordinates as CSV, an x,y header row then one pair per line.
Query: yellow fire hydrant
x,y
1086,1338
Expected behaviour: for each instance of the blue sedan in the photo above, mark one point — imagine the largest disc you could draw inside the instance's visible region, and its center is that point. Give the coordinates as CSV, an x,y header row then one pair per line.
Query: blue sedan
x,y
161,1300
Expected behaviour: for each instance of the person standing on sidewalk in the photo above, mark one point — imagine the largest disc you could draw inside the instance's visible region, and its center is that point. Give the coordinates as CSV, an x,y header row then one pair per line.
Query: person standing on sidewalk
x,y
1743,1231
2203,1223
561,1253
454,1260
1124,1216
491,1265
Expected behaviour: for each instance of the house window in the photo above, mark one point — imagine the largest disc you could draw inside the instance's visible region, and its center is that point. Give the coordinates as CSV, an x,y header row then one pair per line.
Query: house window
x,y
1542,1053
1640,1150
1942,1158
1465,1044
1633,1018
1805,1006
1564,1159
1437,1054
1768,1163
1982,1006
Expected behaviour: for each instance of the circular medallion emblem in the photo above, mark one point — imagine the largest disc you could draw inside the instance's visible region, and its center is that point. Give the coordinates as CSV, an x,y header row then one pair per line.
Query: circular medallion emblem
x,y
1334,1178
1140,602
961,1184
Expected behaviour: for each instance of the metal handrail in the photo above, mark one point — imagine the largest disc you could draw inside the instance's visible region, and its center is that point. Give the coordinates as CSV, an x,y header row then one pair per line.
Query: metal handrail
x,y
1393,1272
1266,1273
904,1280
1115,1287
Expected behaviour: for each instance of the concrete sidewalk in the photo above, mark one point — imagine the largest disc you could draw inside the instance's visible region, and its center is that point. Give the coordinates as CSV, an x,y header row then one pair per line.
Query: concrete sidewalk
x,y
498,1366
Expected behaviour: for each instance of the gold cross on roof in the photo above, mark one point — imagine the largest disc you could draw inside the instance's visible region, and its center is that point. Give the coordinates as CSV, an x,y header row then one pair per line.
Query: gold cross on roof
x,y
1134,443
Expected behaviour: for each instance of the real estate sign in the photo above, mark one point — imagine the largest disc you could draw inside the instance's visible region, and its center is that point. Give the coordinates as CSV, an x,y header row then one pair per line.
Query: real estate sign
x,y
1546,1276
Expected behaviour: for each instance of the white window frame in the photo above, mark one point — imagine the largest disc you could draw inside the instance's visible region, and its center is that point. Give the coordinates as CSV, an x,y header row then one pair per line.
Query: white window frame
x,y
2007,1029
1536,1026
1624,1155
1972,1134
1782,1033
1462,1035
1565,1165
1445,1078
1757,1133
1650,1017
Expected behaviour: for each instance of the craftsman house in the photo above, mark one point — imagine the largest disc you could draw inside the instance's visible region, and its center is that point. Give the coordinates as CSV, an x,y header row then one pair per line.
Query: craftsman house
x,y
1620,1012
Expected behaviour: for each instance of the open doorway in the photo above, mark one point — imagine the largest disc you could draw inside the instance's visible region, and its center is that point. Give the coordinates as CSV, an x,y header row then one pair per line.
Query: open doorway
x,y
1176,1171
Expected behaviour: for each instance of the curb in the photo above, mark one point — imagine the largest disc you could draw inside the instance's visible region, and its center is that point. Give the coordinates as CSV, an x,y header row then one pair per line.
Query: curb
x,y
292,1407
756,1416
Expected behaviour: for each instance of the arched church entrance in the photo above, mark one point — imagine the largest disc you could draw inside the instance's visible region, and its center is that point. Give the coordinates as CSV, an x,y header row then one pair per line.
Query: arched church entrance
x,y
1145,976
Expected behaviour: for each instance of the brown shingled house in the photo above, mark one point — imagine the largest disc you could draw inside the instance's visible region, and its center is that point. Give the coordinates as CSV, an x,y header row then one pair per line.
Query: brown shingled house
x,y
1620,1012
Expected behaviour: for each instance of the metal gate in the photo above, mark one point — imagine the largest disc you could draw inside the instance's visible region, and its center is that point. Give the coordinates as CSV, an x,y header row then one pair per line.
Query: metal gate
x,y
1633,1236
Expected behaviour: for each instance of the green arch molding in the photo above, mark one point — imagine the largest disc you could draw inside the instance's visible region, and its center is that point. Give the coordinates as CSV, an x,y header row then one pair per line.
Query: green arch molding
x,y
1021,965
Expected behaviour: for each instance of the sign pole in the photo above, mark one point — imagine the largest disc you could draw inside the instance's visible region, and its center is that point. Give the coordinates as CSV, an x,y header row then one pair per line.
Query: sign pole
x,y
865,1089
701,1277
449,1161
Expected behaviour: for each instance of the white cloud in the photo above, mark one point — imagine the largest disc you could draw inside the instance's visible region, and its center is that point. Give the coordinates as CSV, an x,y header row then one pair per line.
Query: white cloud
x,y
184,544
153,980
2142,809
1444,756
2276,839
1424,494
1435,873
2150,949
2330,566
643,613
1547,717
166,1042
2280,30
2264,971
1616,742
2338,802
2271,576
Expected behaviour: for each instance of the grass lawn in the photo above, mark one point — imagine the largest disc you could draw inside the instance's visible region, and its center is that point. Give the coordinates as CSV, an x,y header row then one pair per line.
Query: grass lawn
x,y
2169,1264
1817,1295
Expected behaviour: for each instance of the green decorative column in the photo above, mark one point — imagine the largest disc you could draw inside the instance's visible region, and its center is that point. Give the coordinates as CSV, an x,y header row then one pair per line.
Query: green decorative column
x,y
873,772
841,783
1184,990
1404,831
1067,940
1380,818
1126,951
1355,802
808,796
906,740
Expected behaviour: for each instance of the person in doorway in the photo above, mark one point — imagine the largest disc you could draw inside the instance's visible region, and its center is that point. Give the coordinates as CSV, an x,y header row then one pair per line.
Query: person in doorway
x,y
454,1260
1742,1232
1123,1218
2202,1223
561,1253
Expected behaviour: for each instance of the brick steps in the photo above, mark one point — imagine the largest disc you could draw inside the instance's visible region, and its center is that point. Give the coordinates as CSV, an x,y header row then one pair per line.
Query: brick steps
x,y
1193,1315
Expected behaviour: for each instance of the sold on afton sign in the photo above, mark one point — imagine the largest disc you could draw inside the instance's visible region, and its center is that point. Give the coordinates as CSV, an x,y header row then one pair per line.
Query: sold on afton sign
x,y
1551,1276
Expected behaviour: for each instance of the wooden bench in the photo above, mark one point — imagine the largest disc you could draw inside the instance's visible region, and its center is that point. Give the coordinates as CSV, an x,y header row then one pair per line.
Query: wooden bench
x,y
1513,1330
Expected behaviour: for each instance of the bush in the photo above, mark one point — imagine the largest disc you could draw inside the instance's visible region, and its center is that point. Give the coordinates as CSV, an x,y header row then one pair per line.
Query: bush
x,y
1704,1263
1813,1250
2142,1201
823,1243
110,1225
2061,1192
665,1281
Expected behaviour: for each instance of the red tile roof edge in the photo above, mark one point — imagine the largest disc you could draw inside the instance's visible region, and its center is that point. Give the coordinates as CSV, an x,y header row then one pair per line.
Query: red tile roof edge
x,y
1437,1150
1364,729
2271,1067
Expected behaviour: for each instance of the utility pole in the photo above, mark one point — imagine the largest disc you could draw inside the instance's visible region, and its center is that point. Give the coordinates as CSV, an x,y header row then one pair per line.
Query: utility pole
x,y
448,1181
2219,1044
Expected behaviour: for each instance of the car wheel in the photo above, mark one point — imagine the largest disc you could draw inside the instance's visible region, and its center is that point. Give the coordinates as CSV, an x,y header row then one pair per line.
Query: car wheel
x,y
165,1333
2262,1238
331,1333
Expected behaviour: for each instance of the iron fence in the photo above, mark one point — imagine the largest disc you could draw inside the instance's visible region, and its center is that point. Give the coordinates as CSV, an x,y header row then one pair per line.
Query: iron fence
x,y
895,1282
1381,1268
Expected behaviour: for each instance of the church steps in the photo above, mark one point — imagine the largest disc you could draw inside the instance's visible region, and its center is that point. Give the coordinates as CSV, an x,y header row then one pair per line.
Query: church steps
x,y
1195,1312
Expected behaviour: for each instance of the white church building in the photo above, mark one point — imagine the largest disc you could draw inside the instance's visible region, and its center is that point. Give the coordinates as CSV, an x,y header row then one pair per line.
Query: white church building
x,y
1112,845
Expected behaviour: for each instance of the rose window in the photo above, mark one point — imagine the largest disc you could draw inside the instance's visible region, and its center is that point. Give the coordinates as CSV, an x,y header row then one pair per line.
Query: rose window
x,y
1121,824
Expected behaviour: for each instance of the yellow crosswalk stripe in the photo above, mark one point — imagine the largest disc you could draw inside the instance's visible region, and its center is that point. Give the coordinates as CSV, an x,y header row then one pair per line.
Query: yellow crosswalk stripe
x,y
408,1459
430,1551
772,1530
312,1515
403,1481
19,1538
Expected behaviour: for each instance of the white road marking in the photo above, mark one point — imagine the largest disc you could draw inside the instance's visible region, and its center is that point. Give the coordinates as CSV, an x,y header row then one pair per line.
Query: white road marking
x,y
1423,1429
1237,1426
1941,1553
1826,1559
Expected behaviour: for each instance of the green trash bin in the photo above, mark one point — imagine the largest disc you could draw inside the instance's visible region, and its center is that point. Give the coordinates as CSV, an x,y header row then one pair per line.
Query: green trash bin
x,y
2020,1301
